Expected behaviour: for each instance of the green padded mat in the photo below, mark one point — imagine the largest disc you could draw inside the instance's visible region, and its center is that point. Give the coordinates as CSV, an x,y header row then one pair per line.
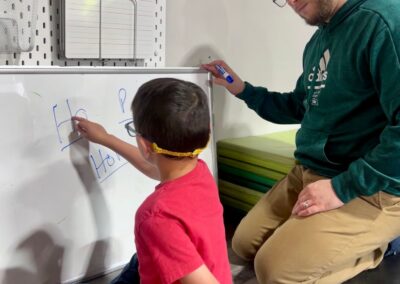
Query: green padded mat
x,y
229,201
261,171
260,159
243,182
238,192
273,151
222,168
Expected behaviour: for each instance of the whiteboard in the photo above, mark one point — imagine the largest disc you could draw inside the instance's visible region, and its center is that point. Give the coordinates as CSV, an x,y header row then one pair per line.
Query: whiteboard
x,y
67,206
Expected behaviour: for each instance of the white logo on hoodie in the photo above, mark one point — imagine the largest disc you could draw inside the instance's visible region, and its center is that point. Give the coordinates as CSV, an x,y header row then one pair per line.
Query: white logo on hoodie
x,y
319,76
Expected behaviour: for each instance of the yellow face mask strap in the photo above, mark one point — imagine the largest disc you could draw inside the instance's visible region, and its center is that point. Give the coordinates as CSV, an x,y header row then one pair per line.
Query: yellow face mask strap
x,y
159,150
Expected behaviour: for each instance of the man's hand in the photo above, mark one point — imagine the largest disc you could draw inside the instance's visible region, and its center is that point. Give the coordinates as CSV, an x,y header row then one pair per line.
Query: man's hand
x,y
316,197
234,88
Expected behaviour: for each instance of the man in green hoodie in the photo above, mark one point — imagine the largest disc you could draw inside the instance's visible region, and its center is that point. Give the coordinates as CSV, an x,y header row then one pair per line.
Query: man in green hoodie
x,y
334,214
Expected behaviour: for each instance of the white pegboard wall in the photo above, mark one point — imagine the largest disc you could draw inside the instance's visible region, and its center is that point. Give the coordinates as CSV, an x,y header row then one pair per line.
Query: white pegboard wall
x,y
46,36
17,22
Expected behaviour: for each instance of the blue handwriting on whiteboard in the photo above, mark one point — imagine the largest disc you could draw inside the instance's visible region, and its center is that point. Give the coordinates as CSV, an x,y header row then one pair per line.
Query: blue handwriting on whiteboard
x,y
106,163
66,123
122,99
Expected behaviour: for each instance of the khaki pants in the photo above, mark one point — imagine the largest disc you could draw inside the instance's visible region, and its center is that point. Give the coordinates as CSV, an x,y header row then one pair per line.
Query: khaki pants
x,y
328,247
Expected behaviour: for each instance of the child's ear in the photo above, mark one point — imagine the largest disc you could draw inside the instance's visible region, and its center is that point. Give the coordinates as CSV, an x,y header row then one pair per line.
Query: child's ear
x,y
145,146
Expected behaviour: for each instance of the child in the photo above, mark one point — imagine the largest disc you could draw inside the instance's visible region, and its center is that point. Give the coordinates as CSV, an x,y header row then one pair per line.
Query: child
x,y
179,230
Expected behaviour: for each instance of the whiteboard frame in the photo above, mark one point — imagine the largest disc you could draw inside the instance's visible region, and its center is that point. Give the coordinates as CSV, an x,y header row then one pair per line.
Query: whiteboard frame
x,y
34,70
127,70
100,70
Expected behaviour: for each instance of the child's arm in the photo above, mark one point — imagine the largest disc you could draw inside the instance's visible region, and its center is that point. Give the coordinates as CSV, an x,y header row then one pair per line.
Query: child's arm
x,y
200,276
96,133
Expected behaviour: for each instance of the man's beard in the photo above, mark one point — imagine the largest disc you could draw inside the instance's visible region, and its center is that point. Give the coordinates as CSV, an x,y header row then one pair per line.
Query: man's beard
x,y
324,15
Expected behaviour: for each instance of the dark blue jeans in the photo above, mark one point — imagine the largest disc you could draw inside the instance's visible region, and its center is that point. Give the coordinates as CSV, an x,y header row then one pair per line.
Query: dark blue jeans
x,y
130,273
394,247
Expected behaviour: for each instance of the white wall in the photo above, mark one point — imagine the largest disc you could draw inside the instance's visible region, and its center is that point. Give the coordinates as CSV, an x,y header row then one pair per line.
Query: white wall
x,y
260,41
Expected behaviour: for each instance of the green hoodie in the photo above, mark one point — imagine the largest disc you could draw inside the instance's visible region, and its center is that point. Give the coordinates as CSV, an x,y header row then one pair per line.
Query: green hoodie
x,y
347,100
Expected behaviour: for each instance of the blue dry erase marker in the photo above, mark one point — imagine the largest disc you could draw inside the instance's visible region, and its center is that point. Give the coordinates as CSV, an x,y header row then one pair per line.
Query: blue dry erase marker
x,y
224,74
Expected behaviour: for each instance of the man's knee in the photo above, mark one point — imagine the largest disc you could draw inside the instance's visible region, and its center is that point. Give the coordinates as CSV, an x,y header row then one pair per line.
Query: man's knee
x,y
242,244
278,265
266,269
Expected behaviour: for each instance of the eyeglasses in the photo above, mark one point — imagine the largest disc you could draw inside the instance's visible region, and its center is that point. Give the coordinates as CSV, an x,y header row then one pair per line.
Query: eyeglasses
x,y
130,128
133,133
280,3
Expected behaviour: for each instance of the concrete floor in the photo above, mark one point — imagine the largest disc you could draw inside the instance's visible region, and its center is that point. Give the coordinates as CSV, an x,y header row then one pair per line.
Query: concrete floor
x,y
388,271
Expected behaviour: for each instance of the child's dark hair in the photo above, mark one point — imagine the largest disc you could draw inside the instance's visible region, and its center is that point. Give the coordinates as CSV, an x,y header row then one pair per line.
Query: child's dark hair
x,y
172,113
